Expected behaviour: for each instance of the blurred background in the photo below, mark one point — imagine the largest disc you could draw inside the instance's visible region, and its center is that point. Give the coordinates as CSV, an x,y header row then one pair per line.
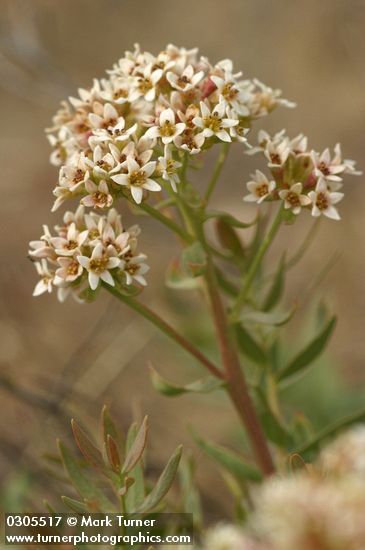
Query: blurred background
x,y
58,361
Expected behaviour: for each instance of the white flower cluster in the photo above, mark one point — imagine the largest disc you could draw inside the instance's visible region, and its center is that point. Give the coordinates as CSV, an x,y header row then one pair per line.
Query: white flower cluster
x,y
127,135
319,507
299,177
87,247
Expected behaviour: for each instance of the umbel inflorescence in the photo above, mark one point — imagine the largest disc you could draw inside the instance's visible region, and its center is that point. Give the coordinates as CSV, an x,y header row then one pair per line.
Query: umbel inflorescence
x,y
131,137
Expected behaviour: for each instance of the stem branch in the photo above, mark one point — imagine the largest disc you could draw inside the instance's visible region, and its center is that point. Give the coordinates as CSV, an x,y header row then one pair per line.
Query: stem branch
x,y
167,329
255,266
217,171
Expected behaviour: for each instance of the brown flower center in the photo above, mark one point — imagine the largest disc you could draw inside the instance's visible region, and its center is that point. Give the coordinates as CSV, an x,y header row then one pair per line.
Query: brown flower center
x,y
213,122
73,268
262,190
167,129
137,178
99,197
132,269
293,199
322,201
324,168
144,85
229,92
98,265
71,245
78,176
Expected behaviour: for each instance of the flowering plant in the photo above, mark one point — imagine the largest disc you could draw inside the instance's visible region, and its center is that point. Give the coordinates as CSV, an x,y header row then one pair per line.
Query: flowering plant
x,y
131,140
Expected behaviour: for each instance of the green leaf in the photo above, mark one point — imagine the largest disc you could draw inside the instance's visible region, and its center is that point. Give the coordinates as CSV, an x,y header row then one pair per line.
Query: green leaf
x,y
275,318
277,287
310,353
136,451
249,346
189,492
205,385
331,430
177,276
83,485
194,259
75,505
112,452
86,446
163,484
273,428
109,427
230,241
136,493
228,219
229,460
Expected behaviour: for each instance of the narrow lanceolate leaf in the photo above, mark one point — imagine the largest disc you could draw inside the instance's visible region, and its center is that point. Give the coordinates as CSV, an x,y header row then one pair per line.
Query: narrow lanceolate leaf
x,y
277,287
230,241
108,426
249,346
136,451
165,387
84,486
229,460
275,431
194,259
331,430
190,495
163,484
136,492
75,505
229,219
274,318
112,452
310,353
86,446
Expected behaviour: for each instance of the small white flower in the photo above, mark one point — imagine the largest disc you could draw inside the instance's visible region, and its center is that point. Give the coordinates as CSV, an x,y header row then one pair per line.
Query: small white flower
x,y
190,141
260,188
167,129
265,99
70,269
332,167
170,168
135,268
71,243
138,179
99,196
232,94
293,198
74,174
107,117
323,200
185,81
119,243
277,153
214,123
103,162
46,282
145,85
98,266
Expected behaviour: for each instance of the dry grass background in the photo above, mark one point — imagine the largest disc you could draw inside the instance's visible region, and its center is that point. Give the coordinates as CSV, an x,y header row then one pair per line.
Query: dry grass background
x,y
314,51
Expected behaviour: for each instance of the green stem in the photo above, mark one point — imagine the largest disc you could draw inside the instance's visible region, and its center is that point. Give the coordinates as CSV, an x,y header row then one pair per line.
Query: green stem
x,y
237,386
256,265
168,222
167,329
217,171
